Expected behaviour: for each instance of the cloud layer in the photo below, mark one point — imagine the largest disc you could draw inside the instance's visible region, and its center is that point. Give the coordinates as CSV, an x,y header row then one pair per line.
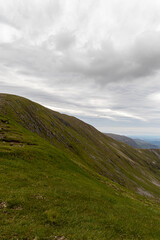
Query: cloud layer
x,y
98,60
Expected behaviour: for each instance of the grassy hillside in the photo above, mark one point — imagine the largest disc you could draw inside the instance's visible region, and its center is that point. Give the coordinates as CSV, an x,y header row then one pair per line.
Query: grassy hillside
x,y
137,170
56,179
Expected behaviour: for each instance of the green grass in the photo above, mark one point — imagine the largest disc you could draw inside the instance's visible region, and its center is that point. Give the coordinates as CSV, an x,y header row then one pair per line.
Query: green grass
x,y
48,191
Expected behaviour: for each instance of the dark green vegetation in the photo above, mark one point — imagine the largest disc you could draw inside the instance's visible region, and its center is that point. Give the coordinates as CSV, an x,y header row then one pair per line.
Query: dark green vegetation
x,y
61,177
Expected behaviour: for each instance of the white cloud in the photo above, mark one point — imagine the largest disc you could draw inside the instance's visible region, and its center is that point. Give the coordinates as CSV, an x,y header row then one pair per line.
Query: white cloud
x,y
155,97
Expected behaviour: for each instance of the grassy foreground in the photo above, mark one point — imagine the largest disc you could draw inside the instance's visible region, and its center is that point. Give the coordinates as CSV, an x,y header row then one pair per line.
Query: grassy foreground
x,y
44,194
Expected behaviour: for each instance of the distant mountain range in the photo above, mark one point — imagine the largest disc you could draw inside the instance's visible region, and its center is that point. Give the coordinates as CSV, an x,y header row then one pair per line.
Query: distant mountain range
x,y
136,143
154,142
145,145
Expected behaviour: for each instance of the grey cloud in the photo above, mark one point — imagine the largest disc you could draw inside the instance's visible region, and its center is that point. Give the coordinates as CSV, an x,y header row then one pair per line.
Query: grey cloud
x,y
5,20
101,66
63,41
141,60
32,18
146,53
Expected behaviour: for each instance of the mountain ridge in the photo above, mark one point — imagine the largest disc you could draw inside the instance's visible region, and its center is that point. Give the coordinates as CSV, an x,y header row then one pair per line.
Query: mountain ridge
x,y
123,138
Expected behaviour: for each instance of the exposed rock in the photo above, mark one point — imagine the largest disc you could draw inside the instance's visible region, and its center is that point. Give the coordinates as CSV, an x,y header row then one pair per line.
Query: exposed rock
x,y
60,238
39,197
3,205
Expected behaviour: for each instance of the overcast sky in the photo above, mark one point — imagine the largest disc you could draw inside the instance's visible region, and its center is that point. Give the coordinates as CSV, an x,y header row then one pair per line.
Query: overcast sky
x,y
98,60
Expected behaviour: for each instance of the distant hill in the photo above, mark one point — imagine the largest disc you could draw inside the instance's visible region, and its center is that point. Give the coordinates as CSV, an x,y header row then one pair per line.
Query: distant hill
x,y
145,145
61,178
156,143
124,139
136,143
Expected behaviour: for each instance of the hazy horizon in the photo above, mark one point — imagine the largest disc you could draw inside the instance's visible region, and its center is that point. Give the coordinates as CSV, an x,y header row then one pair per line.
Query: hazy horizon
x,y
97,60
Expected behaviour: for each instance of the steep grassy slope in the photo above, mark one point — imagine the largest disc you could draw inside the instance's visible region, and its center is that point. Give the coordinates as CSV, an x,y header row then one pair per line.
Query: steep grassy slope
x,y
45,194
137,170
